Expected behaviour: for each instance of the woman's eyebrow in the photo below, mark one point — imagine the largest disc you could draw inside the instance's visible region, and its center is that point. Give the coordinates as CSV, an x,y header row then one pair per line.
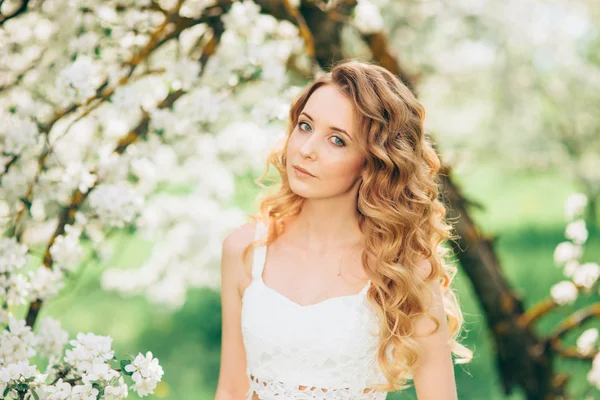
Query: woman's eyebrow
x,y
331,127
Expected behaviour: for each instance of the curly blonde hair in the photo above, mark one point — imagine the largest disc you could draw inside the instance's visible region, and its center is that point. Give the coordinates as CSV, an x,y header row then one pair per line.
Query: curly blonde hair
x,y
400,215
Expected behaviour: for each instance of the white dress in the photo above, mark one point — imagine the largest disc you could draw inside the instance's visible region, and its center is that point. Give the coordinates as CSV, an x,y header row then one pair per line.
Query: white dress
x,y
325,350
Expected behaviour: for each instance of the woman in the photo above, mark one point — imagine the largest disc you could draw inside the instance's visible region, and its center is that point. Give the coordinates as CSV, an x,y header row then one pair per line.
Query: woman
x,y
346,294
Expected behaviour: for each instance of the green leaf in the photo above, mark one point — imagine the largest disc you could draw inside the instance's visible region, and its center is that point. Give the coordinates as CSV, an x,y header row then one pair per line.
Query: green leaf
x,y
8,389
35,395
125,363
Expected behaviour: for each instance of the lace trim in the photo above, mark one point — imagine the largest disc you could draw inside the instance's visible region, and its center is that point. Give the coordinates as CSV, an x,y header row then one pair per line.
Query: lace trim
x,y
267,390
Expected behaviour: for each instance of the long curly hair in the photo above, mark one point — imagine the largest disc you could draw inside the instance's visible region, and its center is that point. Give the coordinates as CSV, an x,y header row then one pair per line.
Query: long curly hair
x,y
400,215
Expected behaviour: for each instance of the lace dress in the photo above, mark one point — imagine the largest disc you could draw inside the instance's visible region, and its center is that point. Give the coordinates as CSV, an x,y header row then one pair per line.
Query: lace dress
x,y
325,350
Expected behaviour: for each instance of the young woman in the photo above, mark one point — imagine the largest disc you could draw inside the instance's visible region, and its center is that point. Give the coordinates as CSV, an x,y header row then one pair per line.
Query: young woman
x,y
338,289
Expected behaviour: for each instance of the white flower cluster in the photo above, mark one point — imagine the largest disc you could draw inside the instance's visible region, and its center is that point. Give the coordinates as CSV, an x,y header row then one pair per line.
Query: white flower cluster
x,y
586,342
367,17
115,204
17,343
21,374
66,251
79,81
89,349
16,134
567,255
14,286
255,47
85,372
51,338
146,373
13,255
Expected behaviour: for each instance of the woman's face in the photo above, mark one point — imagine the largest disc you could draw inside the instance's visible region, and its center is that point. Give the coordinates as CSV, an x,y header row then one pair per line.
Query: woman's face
x,y
324,143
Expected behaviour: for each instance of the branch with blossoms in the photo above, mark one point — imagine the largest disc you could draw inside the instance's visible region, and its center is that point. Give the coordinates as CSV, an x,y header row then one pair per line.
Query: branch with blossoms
x,y
67,215
581,278
87,369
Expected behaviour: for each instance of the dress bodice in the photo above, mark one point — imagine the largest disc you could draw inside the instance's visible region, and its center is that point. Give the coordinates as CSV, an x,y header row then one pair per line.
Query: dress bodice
x,y
325,350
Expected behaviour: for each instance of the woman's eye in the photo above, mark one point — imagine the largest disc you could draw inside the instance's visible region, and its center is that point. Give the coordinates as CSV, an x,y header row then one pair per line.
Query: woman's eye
x,y
303,123
338,142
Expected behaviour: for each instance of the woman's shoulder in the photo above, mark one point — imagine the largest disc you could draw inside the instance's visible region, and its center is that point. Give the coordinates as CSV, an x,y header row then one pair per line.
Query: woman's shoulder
x,y
239,265
240,237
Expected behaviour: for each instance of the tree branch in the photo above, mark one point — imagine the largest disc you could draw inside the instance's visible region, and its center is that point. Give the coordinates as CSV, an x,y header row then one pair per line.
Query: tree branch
x,y
574,320
529,317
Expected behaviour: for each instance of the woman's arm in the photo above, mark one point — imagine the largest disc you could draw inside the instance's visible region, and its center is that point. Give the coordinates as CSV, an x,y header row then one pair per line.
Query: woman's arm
x,y
233,382
434,375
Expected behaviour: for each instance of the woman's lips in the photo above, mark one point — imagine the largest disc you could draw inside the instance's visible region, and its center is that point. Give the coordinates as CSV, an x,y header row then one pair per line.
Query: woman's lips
x,y
302,173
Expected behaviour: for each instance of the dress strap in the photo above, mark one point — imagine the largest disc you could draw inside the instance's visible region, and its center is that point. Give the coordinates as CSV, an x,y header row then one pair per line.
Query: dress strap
x,y
367,286
260,252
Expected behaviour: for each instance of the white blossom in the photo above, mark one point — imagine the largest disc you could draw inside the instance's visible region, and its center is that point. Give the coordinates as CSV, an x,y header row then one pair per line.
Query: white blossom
x,y
241,17
115,204
570,267
16,134
577,232
367,17
183,74
116,392
17,343
59,391
586,275
564,292
575,205
51,338
146,373
89,349
13,255
84,43
586,342
66,251
194,8
99,372
45,282
15,288
566,251
79,81
84,392
243,145
20,372
593,375
77,176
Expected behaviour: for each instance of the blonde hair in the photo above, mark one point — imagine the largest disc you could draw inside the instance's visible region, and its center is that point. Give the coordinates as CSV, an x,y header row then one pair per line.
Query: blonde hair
x,y
399,210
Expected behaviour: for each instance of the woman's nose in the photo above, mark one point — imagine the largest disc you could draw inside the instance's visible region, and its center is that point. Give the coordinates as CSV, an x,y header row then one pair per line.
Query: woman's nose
x,y
310,146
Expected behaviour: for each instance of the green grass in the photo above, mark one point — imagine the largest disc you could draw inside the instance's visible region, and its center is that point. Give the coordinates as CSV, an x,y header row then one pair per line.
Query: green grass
x,y
524,211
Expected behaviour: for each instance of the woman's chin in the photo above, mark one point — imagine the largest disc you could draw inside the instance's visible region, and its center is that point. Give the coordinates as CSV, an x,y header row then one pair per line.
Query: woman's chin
x,y
300,189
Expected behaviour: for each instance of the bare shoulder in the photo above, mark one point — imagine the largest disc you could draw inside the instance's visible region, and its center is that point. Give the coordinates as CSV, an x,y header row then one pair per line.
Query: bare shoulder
x,y
233,263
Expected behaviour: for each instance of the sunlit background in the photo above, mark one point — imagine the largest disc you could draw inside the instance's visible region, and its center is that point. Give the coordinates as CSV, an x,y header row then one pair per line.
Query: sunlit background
x,y
131,132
